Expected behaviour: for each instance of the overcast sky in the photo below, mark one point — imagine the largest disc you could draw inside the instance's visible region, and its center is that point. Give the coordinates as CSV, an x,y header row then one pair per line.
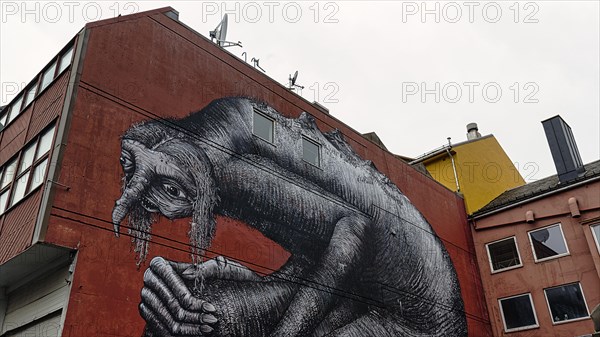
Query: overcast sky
x,y
504,65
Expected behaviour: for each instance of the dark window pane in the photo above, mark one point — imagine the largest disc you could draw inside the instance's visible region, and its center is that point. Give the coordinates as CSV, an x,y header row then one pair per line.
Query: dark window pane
x,y
503,254
518,312
310,152
566,302
548,242
263,127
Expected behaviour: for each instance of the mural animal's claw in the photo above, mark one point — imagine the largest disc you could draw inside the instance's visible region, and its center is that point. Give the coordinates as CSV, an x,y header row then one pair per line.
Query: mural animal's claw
x,y
207,307
116,229
206,329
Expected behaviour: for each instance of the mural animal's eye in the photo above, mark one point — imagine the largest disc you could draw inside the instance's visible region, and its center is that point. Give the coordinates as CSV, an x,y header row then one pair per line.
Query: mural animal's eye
x,y
174,191
126,162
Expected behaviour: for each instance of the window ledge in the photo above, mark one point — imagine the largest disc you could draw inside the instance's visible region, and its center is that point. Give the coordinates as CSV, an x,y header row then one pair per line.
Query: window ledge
x,y
552,257
506,269
570,320
529,327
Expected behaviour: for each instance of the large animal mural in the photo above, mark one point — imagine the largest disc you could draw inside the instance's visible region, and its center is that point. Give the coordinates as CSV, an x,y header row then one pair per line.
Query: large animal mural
x,y
363,260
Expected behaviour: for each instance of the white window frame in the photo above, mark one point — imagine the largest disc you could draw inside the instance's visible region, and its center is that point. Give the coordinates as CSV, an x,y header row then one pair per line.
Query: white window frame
x,y
487,248
262,114
550,257
318,145
29,171
537,323
570,320
16,107
596,238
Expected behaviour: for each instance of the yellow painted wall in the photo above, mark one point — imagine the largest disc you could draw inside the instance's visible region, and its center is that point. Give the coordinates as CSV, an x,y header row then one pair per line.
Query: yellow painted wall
x,y
483,168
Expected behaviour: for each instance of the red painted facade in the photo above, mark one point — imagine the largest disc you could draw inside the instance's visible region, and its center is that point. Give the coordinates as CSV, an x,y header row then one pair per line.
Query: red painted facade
x,y
147,66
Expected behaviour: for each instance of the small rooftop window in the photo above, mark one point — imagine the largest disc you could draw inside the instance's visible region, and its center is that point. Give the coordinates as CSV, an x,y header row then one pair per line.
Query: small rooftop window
x,y
311,152
263,127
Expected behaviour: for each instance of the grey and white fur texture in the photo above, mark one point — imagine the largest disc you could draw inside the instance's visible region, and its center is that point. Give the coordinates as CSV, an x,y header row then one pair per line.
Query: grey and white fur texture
x,y
364,261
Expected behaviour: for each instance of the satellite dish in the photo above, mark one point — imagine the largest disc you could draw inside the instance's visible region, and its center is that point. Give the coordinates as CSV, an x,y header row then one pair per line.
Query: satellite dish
x,y
292,84
223,31
220,33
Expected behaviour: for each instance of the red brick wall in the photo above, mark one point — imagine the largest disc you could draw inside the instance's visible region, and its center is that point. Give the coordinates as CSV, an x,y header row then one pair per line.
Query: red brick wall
x,y
148,65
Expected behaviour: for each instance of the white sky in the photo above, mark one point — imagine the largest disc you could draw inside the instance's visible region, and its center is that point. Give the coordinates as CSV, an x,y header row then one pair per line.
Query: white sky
x,y
364,56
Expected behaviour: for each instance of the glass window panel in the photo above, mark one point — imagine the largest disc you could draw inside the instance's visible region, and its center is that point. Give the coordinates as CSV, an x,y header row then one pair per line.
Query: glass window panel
x,y
518,312
596,231
548,242
65,60
38,175
310,152
15,109
27,158
263,127
566,302
45,143
48,76
9,173
3,118
29,96
3,198
503,254
19,188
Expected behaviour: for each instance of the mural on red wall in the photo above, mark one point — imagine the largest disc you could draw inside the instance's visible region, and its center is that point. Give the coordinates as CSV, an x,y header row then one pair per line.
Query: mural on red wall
x,y
364,261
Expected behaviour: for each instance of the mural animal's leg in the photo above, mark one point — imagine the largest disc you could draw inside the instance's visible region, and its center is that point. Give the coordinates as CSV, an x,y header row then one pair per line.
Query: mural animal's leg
x,y
217,268
225,302
310,305
173,309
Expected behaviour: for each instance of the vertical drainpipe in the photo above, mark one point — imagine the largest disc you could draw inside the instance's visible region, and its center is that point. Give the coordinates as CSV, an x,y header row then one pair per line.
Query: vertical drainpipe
x,y
3,305
453,165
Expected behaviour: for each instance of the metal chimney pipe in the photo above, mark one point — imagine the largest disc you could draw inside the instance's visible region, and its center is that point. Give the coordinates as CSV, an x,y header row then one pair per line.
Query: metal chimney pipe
x,y
473,131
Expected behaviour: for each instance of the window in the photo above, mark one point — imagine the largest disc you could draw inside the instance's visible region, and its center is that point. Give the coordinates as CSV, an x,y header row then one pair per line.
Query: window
x,y
45,79
48,76
566,303
548,243
65,60
3,117
29,96
26,171
14,110
596,235
263,127
518,313
503,254
311,152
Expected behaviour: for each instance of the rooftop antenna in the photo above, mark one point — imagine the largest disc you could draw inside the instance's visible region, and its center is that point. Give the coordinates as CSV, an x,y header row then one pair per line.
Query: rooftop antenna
x,y
220,33
256,65
292,84
245,55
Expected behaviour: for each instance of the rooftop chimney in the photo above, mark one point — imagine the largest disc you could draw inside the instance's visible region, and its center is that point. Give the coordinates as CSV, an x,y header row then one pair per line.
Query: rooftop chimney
x,y
473,131
564,149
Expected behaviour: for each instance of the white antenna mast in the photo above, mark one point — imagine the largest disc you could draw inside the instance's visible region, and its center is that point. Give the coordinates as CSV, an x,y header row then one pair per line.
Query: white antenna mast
x,y
220,34
256,65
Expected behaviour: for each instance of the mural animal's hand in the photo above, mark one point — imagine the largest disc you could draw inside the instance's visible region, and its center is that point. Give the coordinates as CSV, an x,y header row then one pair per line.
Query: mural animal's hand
x,y
169,306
